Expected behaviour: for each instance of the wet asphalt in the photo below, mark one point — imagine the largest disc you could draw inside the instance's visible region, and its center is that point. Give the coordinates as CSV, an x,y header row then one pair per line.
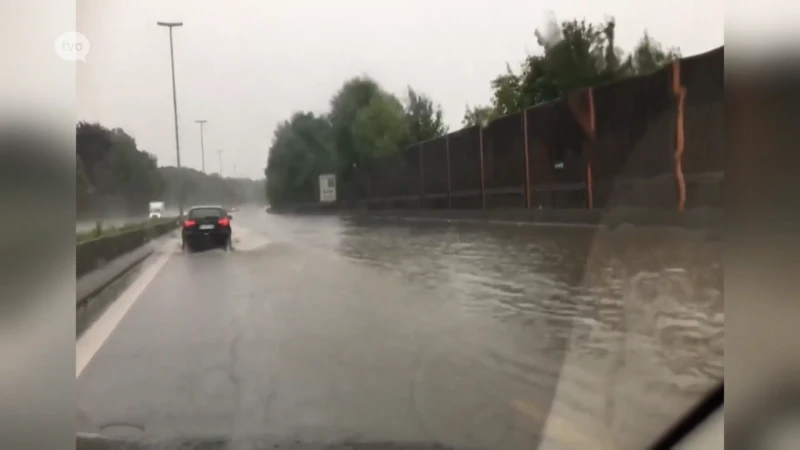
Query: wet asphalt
x,y
330,329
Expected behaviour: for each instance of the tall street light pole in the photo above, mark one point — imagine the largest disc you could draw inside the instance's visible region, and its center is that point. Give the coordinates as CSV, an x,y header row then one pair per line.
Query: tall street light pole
x,y
171,25
219,152
202,150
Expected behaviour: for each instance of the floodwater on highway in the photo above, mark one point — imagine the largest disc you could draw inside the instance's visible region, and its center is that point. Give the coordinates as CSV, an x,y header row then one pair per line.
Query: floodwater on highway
x,y
484,336
631,321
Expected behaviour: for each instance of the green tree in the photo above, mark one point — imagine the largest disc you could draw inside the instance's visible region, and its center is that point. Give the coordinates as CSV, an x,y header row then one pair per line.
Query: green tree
x,y
478,115
113,174
355,95
302,149
379,128
574,54
649,55
365,122
368,122
506,98
423,118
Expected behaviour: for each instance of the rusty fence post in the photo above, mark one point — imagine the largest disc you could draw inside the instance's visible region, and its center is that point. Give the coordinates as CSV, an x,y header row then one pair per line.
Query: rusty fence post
x,y
449,183
589,179
679,93
421,178
527,159
480,146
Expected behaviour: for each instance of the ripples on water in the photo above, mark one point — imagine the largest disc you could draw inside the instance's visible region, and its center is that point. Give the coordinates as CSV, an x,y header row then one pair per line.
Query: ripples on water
x,y
640,312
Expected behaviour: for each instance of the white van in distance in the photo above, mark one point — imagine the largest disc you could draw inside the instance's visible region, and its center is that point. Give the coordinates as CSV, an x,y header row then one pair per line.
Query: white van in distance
x,y
156,210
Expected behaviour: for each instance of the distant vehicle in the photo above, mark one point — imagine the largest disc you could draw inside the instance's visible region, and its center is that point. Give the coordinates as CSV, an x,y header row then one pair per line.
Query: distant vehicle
x,y
206,225
156,210
233,209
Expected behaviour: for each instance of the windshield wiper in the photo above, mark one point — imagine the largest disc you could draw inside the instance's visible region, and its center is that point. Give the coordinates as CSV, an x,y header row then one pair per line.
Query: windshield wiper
x,y
694,419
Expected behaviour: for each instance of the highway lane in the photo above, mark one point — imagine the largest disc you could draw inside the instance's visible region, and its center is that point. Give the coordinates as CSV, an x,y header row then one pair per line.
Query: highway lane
x,y
322,329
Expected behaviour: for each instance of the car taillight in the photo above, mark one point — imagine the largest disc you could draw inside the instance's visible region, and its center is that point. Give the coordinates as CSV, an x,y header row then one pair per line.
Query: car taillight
x,y
224,221
188,223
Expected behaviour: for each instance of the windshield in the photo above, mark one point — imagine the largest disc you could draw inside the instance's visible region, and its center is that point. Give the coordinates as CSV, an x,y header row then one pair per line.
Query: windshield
x,y
203,213
540,268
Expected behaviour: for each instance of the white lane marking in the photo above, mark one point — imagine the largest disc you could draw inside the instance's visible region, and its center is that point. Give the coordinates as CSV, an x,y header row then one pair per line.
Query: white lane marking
x,y
94,337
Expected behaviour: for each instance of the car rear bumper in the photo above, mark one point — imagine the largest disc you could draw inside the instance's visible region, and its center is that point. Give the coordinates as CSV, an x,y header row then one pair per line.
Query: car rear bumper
x,y
199,236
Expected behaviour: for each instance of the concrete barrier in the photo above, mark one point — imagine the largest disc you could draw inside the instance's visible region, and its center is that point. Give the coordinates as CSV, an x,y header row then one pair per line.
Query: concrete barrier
x,y
103,265
94,253
98,288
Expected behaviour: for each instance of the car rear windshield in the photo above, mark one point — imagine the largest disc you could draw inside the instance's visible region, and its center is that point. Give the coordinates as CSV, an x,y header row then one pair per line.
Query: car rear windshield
x,y
199,213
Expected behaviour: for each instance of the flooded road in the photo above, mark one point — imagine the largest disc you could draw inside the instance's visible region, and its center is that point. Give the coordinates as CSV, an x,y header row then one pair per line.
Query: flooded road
x,y
475,336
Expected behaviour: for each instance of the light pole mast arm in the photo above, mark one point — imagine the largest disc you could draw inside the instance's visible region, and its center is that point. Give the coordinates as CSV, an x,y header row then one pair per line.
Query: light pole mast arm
x,y
202,148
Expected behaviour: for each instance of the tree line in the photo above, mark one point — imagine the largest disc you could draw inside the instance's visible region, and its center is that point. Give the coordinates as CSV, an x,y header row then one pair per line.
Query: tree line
x,y
114,177
365,121
574,54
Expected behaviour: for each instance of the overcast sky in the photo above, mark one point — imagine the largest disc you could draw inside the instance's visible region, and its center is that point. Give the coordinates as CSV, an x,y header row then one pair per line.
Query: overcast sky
x,y
246,65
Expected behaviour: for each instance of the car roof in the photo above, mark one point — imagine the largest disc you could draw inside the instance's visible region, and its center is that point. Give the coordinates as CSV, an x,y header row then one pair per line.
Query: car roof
x,y
206,207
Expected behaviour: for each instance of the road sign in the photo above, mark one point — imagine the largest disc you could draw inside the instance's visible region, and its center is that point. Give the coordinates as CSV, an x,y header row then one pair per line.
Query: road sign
x,y
327,188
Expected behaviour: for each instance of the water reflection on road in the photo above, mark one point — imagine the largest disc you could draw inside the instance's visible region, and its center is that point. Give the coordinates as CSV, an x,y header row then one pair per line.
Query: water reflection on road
x,y
630,322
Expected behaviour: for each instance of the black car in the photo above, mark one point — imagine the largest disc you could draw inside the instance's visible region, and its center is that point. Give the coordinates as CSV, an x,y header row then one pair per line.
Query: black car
x,y
206,225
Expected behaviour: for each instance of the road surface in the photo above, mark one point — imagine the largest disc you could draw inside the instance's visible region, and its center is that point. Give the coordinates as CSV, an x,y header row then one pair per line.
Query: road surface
x,y
325,329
